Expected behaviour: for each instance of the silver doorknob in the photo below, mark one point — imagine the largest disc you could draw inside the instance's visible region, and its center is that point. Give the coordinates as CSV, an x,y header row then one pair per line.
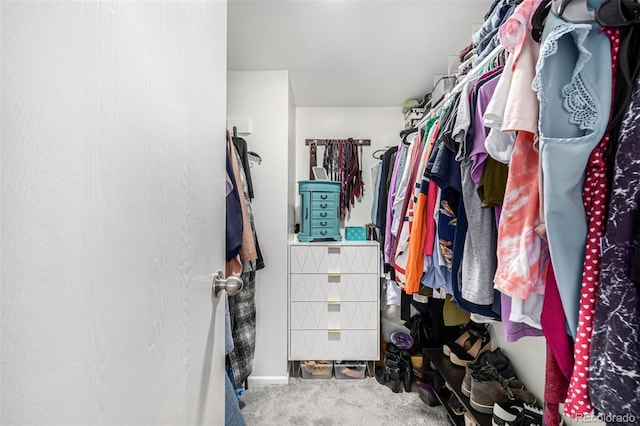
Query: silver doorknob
x,y
232,284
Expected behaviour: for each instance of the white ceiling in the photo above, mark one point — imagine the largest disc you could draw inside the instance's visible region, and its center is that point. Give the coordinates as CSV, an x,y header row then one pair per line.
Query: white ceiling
x,y
350,52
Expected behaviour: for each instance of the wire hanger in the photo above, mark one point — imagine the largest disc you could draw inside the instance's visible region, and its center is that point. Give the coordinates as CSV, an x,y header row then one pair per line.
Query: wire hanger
x,y
253,157
381,151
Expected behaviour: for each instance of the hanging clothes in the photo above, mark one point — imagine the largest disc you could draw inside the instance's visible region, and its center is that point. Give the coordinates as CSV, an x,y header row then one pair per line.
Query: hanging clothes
x,y
241,147
573,83
242,151
478,260
242,306
234,222
614,386
595,198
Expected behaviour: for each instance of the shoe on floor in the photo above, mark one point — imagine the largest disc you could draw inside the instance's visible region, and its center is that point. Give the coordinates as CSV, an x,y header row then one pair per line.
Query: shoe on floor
x,y
427,394
516,413
463,341
389,373
499,361
406,370
456,406
479,344
489,387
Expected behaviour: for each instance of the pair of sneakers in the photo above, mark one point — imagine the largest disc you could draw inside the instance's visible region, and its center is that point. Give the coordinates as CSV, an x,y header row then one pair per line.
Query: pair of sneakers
x,y
516,413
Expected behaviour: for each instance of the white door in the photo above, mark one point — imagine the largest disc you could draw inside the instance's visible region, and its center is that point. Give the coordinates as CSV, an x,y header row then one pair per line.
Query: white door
x,y
113,165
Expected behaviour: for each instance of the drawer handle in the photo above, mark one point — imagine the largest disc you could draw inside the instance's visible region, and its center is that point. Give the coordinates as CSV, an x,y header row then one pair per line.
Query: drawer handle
x,y
334,274
323,232
323,214
333,302
323,196
323,205
334,330
323,223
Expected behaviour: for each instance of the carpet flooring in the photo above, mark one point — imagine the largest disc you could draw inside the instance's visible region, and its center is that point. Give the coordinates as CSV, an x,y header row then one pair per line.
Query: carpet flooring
x,y
336,402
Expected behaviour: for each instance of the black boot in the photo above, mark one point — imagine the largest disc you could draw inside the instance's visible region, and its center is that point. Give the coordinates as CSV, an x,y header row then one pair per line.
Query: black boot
x,y
393,349
389,373
430,376
406,370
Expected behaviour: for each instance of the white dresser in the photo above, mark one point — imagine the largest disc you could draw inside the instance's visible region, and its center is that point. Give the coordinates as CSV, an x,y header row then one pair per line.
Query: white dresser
x,y
334,301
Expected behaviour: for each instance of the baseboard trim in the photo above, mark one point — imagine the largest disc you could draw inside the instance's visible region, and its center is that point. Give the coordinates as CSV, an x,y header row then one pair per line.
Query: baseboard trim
x,y
268,380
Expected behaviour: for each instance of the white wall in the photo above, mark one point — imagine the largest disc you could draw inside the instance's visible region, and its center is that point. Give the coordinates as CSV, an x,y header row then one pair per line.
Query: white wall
x,y
380,124
263,96
291,160
112,159
528,356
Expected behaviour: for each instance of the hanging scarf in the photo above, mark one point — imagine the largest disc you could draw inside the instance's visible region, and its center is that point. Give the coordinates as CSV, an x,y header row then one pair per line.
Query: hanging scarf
x,y
343,164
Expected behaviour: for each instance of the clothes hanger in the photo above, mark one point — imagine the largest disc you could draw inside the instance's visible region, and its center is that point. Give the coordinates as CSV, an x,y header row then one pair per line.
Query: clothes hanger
x,y
253,157
573,10
538,18
381,151
405,133
618,13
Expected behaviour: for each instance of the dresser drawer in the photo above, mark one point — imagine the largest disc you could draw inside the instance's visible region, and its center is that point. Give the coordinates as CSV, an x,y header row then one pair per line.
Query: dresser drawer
x,y
322,223
334,315
320,205
324,196
334,287
321,232
322,214
310,259
334,344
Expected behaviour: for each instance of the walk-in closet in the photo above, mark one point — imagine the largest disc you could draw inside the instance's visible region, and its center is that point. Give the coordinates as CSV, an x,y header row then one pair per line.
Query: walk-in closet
x,y
266,212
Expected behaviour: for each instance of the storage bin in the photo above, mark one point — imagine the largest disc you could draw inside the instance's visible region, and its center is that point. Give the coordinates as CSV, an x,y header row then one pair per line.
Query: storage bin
x,y
355,233
317,369
350,369
441,88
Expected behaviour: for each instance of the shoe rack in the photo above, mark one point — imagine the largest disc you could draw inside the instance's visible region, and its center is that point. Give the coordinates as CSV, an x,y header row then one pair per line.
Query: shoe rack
x,y
453,375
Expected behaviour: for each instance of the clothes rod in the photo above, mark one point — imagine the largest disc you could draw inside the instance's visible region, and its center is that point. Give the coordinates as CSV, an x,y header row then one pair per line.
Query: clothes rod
x,y
472,74
360,142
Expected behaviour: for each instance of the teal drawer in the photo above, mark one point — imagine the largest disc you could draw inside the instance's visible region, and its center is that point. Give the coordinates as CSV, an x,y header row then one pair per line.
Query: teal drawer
x,y
322,214
324,196
318,185
323,205
322,232
322,223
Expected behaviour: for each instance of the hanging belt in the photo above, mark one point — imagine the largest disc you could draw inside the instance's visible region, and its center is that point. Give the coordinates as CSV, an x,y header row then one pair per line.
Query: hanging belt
x,y
312,159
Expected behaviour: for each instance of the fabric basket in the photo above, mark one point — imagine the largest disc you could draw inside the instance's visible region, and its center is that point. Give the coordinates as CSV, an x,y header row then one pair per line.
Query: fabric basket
x,y
355,233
